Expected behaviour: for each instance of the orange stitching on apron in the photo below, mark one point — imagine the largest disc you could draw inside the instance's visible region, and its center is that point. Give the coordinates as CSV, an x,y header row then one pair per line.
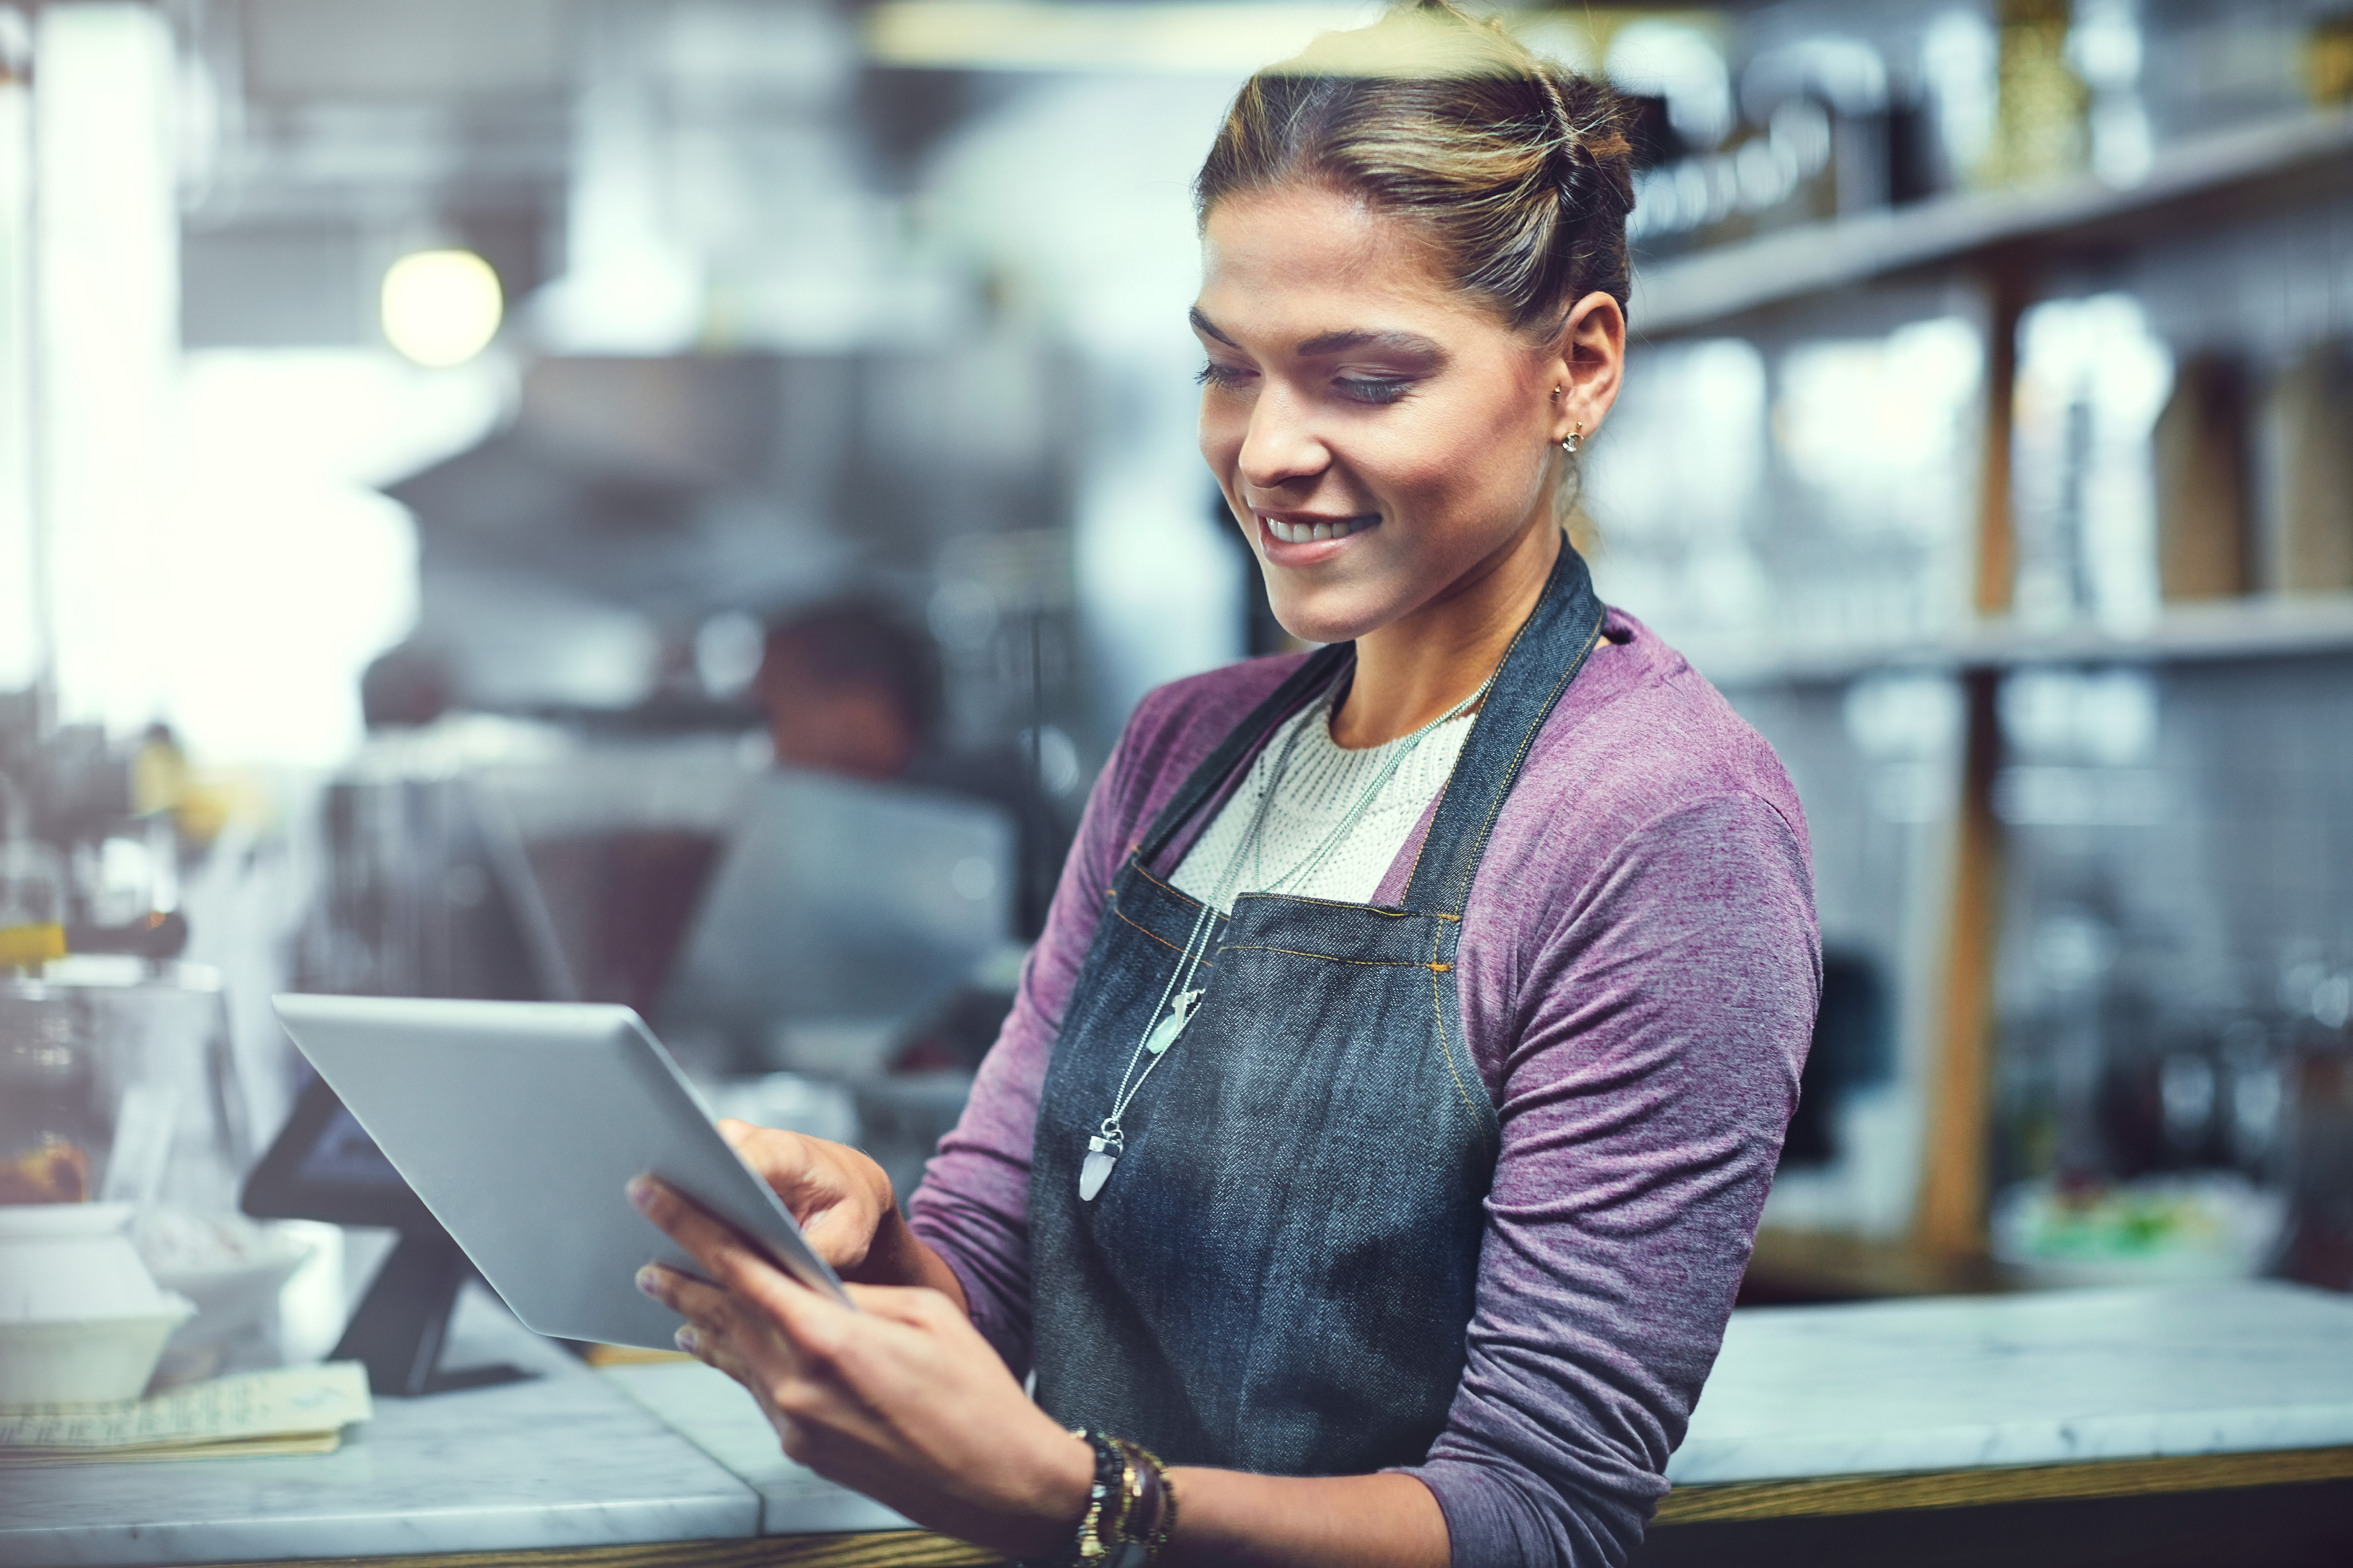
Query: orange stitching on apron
x,y
1173,892
1438,1009
1161,940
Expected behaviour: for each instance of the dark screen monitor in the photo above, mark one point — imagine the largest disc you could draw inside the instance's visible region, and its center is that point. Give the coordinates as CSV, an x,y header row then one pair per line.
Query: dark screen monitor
x,y
325,1166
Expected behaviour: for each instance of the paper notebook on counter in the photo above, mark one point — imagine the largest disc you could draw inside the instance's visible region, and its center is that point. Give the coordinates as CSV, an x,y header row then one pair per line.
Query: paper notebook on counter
x,y
293,1410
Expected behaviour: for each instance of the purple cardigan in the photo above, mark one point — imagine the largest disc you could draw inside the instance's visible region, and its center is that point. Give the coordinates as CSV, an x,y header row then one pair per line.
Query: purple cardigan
x,y
1638,969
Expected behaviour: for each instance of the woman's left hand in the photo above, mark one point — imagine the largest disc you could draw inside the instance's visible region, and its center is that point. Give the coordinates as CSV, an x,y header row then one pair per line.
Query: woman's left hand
x,y
899,1399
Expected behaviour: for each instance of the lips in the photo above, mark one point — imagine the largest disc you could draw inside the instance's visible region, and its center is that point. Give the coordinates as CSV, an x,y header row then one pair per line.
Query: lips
x,y
1309,530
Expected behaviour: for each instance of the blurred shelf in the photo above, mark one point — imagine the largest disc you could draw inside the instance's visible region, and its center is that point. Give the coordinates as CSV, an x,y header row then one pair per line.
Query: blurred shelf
x,y
2194,182
2266,626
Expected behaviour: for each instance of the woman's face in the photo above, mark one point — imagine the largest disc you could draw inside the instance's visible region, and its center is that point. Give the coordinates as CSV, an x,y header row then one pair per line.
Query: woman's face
x,y
1381,436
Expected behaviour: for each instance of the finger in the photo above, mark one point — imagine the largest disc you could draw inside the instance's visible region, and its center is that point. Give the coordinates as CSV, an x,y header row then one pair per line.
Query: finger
x,y
785,1160
697,1301
718,1331
813,1322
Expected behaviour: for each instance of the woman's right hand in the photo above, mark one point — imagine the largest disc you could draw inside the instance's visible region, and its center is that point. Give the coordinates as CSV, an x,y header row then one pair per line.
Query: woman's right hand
x,y
844,1205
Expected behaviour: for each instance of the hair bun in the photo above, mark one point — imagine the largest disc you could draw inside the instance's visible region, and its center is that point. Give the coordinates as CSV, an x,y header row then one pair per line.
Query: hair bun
x,y
1520,170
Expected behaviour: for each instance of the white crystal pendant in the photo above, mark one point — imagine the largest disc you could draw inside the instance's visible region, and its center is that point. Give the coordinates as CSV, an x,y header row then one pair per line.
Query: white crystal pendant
x,y
1095,1170
1180,1012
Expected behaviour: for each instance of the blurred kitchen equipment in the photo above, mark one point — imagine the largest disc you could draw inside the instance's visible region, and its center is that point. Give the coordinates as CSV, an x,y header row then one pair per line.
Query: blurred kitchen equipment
x,y
505,863
2204,538
2202,1226
2308,427
2320,1160
230,1269
81,1320
32,892
98,1048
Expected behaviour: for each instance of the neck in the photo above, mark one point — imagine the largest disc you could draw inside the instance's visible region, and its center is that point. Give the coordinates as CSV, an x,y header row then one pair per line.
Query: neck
x,y
1423,663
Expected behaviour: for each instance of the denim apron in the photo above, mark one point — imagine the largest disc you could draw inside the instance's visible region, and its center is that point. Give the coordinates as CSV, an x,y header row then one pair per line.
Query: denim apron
x,y
1277,1275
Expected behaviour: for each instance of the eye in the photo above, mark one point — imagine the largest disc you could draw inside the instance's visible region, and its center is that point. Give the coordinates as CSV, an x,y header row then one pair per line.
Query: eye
x,y
1374,389
1225,377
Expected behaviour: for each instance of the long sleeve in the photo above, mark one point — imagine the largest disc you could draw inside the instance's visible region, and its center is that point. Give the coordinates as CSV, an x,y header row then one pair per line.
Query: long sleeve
x,y
1651,1064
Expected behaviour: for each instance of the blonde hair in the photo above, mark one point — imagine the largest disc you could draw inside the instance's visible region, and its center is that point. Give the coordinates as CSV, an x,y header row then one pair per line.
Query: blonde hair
x,y
1517,170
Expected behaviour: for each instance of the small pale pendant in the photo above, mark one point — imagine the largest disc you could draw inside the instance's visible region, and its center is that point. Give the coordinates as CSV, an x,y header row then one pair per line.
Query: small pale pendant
x,y
1095,1170
1180,1012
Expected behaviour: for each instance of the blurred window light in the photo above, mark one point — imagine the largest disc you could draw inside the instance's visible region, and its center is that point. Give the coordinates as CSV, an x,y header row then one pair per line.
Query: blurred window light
x,y
1175,39
1846,73
1673,486
441,308
22,636
1958,60
107,275
1057,758
2104,45
2092,379
1681,63
728,648
1908,716
1562,35
2040,796
2103,717
1876,426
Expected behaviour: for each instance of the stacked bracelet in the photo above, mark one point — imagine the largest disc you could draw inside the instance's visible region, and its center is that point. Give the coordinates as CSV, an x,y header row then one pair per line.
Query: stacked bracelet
x,y
1131,1508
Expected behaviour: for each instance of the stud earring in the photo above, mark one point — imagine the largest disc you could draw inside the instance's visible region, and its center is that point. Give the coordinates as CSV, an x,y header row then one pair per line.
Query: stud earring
x,y
1574,439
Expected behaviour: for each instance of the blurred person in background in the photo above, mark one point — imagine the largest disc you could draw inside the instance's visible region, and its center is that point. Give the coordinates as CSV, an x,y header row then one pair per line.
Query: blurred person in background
x,y
1381,1129
852,686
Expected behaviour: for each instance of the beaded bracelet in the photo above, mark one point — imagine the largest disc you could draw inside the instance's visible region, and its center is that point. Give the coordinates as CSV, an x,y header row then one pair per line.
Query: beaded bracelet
x,y
1131,1508
1094,1539
1157,1494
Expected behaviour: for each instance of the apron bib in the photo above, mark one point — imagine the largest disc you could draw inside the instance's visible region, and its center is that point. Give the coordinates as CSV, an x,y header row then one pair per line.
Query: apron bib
x,y
1277,1275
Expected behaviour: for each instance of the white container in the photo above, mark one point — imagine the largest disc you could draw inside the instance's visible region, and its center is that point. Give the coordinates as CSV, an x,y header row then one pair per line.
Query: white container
x,y
81,1320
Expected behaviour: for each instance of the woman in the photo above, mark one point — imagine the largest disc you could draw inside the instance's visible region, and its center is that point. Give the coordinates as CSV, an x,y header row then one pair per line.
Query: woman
x,y
1382,1124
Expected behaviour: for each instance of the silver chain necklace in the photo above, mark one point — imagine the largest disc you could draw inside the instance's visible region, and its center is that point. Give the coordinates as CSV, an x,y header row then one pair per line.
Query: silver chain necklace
x,y
1181,998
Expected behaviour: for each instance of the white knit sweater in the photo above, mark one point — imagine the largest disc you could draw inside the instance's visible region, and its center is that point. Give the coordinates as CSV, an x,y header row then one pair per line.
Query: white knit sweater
x,y
1323,781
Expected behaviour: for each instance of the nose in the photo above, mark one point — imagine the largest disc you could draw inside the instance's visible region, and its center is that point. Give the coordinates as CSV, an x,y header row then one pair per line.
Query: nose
x,y
1280,447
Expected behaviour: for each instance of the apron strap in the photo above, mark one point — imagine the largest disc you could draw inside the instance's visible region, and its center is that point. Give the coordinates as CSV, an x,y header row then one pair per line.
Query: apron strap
x,y
1544,656
1317,672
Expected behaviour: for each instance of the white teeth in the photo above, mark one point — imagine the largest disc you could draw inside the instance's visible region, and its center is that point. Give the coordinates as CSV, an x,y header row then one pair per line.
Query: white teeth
x,y
1308,532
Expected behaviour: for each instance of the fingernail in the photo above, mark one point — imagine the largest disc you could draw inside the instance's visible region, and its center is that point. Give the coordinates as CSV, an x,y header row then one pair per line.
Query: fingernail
x,y
642,1192
689,1341
650,1281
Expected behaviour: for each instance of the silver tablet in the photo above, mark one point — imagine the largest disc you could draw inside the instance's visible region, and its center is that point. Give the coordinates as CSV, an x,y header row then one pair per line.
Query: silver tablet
x,y
520,1123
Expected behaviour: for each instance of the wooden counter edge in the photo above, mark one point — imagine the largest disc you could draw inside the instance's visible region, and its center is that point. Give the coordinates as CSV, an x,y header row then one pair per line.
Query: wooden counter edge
x,y
1978,1487
863,1549
1685,1504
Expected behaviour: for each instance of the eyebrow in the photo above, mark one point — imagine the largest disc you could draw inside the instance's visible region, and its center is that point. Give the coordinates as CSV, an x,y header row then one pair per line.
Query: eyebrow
x,y
1330,343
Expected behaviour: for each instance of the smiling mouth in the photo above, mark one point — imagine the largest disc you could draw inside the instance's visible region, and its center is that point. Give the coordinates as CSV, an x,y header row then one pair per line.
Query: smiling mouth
x,y
1309,532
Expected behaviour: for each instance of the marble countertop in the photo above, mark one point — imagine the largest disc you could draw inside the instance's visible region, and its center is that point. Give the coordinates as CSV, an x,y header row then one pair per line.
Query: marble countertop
x,y
561,1459
1959,1383
714,1412
676,1452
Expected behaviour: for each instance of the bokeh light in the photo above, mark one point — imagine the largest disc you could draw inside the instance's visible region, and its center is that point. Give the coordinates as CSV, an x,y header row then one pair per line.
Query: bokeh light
x,y
442,307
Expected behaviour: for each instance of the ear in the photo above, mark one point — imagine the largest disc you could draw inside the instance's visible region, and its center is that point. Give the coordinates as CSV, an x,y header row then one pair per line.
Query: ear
x,y
1589,364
